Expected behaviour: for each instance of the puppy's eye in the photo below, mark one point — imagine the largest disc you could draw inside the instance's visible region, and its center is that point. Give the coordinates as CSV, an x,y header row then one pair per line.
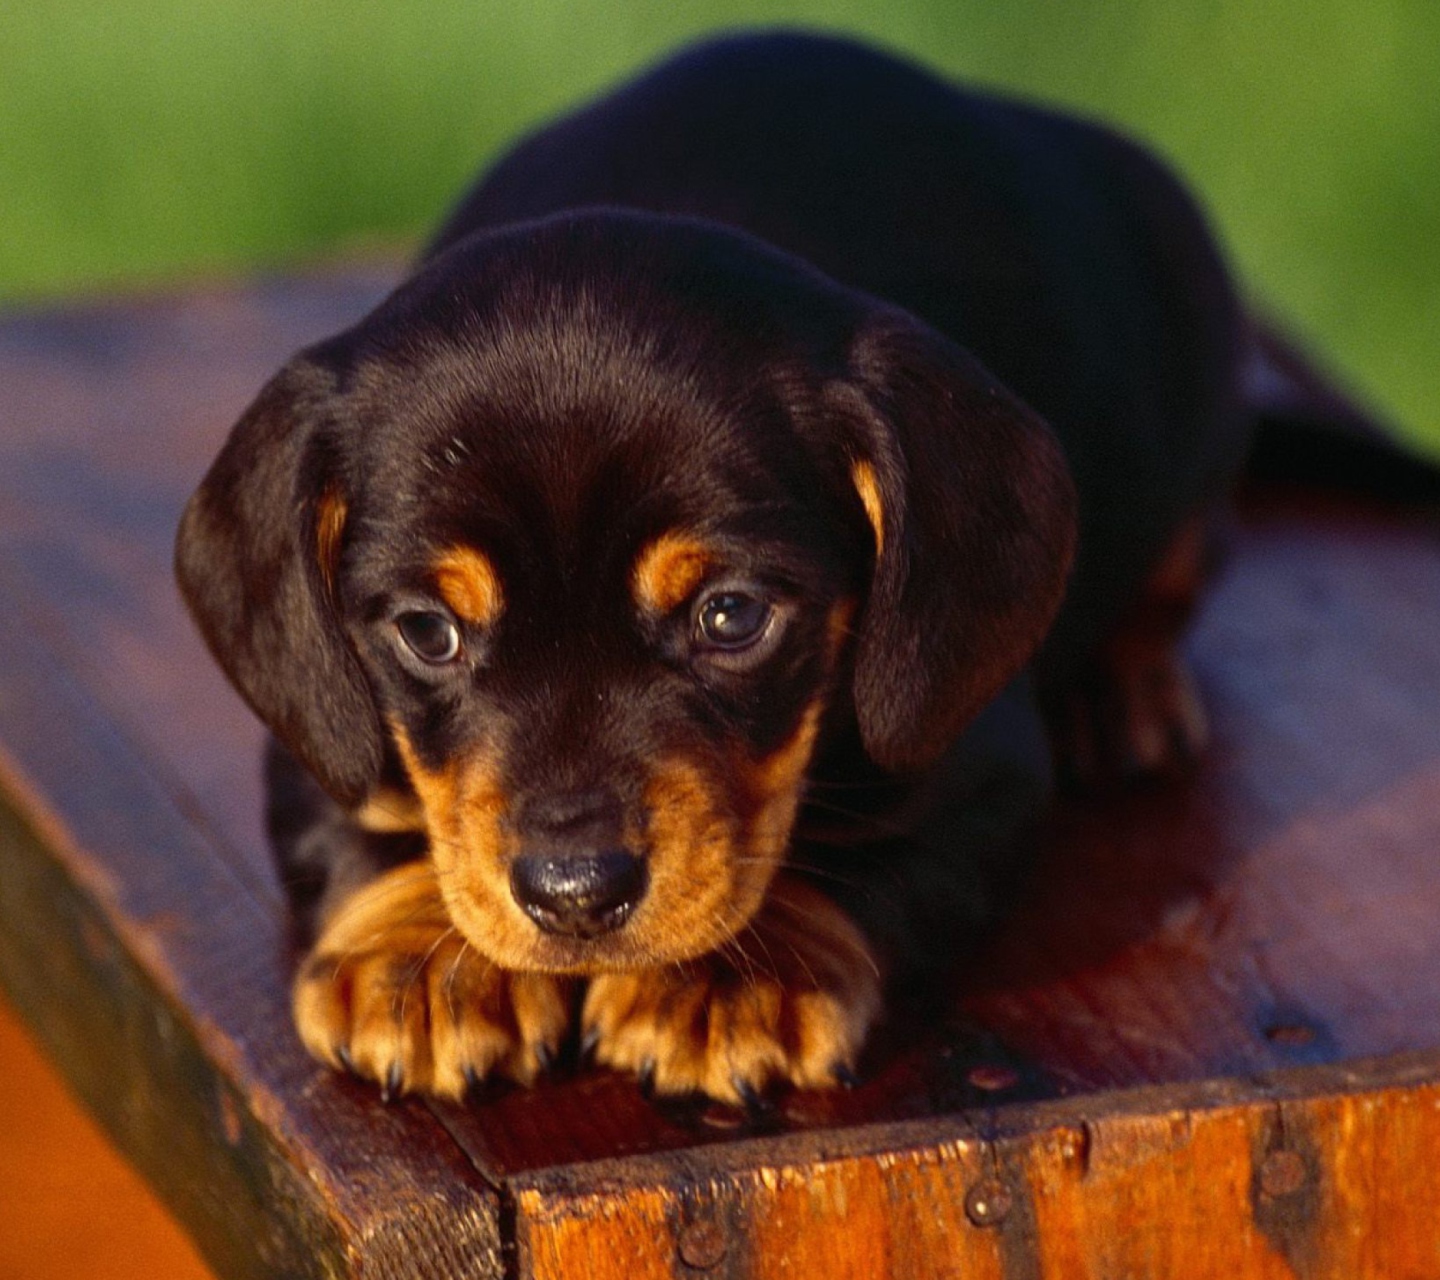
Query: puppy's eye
x,y
732,620
431,637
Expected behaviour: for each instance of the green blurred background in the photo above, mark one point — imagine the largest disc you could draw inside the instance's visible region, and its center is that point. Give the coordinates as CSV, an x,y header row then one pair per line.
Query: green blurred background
x,y
143,141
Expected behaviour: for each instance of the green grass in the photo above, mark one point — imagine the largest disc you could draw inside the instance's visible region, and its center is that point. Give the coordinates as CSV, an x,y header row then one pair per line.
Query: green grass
x,y
143,140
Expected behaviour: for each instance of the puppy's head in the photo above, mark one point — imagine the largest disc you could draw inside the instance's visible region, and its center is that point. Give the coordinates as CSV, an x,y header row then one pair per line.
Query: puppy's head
x,y
595,527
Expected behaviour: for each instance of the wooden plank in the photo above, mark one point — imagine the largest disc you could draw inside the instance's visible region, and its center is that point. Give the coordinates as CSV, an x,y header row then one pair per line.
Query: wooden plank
x,y
1278,907
1319,1174
1189,956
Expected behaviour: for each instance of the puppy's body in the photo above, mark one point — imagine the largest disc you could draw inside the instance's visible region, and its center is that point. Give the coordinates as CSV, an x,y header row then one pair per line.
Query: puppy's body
x,y
649,580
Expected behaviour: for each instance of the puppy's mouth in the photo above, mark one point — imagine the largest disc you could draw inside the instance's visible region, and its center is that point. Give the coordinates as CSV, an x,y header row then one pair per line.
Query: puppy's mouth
x,y
689,879
592,893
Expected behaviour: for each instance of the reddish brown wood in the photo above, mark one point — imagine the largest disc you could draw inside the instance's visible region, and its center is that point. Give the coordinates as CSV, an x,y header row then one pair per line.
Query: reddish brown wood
x,y
1320,1175
1280,906
1205,975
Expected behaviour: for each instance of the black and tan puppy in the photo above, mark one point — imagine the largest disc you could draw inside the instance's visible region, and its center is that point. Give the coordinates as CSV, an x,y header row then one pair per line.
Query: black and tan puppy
x,y
659,584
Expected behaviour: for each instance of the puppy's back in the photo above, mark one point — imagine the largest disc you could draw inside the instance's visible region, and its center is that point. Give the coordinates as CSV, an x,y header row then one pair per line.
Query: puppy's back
x,y
1064,256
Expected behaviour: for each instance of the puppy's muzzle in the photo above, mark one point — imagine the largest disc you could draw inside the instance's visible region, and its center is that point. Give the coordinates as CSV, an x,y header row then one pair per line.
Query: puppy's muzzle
x,y
573,877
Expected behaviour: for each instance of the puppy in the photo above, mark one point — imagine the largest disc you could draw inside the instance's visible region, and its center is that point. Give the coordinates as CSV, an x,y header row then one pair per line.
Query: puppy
x,y
652,598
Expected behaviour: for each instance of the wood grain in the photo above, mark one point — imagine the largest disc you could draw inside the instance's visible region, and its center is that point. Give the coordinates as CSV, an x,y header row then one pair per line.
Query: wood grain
x,y
1205,1042
1319,1173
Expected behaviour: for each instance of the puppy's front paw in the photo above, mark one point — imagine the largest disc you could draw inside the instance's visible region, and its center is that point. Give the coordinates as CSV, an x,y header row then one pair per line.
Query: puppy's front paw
x,y
790,999
393,993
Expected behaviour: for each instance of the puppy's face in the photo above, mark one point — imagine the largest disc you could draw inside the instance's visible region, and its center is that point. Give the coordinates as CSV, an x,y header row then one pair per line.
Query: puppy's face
x,y
600,611
597,526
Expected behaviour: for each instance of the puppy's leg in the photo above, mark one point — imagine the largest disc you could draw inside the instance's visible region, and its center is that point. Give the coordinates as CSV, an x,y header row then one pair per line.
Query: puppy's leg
x,y
388,988
959,848
324,852
790,998
1134,708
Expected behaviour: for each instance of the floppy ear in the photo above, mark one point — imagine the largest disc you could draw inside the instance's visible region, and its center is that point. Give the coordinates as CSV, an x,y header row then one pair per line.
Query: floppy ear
x,y
255,556
974,517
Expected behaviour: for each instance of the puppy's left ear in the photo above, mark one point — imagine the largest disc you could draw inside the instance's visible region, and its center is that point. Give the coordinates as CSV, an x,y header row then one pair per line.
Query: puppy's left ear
x,y
973,510
256,555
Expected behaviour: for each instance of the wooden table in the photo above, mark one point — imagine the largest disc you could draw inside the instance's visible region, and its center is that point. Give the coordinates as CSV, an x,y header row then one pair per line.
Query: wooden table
x,y
1205,1046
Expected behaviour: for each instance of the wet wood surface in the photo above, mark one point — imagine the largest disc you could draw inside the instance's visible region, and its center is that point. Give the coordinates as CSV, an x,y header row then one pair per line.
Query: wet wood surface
x,y
1206,1041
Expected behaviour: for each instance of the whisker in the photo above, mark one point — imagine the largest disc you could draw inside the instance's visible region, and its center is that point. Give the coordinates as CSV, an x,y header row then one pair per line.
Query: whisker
x,y
769,969
802,961
447,986
831,941
868,823
412,977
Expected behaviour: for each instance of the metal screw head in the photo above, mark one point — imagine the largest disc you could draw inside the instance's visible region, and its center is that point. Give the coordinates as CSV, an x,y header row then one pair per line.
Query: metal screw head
x,y
988,1203
1290,1035
701,1246
1283,1173
992,1077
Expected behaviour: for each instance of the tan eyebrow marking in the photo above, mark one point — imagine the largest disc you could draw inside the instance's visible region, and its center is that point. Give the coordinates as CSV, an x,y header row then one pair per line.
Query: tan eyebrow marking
x,y
862,476
468,583
669,569
330,512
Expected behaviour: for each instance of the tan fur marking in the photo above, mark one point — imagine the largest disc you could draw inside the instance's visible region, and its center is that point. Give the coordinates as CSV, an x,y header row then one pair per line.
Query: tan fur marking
x,y
776,782
330,513
468,583
464,808
731,973
862,475
388,810
472,846
699,838
791,997
700,892
716,838
781,984
669,569
394,992
715,830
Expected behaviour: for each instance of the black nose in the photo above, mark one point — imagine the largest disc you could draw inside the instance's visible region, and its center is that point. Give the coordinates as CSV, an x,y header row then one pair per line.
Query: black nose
x,y
580,894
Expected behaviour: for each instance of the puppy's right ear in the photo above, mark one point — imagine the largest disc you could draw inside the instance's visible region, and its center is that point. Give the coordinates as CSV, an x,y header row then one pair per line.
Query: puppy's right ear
x,y
255,556
973,511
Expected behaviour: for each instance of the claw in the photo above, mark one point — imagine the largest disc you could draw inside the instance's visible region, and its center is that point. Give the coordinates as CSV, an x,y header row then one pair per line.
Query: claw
x,y
473,1079
391,1085
343,1054
844,1075
589,1042
755,1102
544,1056
646,1077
